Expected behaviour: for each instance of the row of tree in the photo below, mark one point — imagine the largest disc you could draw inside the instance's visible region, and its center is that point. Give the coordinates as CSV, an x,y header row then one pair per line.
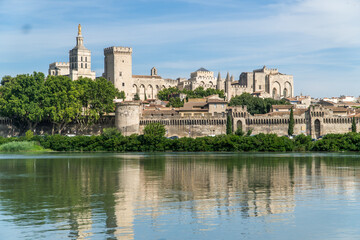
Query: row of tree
x,y
154,139
30,99
256,105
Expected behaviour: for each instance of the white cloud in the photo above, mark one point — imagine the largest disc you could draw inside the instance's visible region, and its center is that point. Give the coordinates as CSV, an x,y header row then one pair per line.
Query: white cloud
x,y
287,33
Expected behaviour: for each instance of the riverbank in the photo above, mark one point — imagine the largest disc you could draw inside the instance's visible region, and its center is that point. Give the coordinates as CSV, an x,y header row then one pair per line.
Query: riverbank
x,y
22,146
223,143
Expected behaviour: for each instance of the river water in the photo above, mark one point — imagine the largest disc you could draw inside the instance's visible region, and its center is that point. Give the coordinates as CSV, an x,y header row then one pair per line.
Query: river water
x,y
180,196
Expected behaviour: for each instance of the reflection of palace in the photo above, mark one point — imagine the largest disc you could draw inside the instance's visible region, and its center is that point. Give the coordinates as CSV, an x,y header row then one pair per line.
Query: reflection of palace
x,y
121,192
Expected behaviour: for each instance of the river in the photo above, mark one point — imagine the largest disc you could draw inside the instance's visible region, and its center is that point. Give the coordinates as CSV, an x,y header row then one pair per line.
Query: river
x,y
180,196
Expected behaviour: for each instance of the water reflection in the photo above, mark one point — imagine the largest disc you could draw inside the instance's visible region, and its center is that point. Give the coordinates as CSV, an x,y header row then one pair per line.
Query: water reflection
x,y
124,196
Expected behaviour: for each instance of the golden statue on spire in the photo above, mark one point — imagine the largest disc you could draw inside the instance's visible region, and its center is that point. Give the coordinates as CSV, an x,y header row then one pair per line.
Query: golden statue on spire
x,y
79,29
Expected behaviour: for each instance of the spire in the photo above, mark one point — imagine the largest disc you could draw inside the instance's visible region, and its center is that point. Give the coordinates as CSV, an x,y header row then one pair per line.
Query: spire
x,y
79,30
227,77
219,77
232,78
79,38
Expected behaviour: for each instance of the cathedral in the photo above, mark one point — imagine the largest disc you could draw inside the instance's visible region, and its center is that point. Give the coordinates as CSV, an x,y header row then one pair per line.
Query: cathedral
x,y
262,82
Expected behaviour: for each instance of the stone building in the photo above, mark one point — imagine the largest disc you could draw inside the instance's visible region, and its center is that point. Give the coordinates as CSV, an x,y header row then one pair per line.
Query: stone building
x,y
79,64
262,82
208,117
118,70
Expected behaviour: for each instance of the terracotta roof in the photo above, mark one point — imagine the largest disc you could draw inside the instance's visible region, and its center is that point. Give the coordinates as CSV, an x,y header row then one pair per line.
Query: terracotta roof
x,y
145,76
337,109
282,106
216,101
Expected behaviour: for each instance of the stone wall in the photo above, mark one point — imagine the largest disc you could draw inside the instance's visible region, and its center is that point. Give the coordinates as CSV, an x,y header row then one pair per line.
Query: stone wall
x,y
188,127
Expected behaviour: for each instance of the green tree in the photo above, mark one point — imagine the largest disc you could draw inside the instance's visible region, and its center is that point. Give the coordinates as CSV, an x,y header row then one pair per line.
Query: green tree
x,y
255,105
176,102
154,130
291,123
21,99
136,97
353,125
62,102
229,125
239,131
97,98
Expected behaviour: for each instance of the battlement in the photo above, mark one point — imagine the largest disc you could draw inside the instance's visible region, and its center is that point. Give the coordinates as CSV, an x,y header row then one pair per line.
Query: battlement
x,y
267,70
111,50
60,64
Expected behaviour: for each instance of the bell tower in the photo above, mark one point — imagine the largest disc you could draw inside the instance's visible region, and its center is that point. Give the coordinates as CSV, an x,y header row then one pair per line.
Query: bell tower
x,y
80,59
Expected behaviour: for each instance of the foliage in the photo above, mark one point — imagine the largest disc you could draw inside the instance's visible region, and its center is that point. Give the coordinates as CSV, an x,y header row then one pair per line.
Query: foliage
x,y
175,102
21,147
249,132
239,132
29,135
229,125
154,130
110,132
255,105
136,97
97,98
353,125
21,98
62,101
167,94
154,140
291,123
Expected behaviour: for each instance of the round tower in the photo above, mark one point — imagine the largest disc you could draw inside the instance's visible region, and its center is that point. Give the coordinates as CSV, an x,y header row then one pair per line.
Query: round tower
x,y
127,117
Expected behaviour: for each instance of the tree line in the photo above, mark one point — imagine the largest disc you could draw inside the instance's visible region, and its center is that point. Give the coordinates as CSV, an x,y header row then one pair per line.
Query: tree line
x,y
30,99
154,140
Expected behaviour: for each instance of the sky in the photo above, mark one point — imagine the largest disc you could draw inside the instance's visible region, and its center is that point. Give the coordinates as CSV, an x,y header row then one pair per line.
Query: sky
x,y
316,41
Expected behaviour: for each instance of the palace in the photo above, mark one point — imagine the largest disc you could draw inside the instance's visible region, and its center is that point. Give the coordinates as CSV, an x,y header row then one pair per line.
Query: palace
x,y
262,82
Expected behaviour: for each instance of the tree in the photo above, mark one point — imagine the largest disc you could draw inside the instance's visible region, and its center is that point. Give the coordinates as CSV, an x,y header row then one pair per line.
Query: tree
x,y
291,123
176,102
62,101
21,99
154,130
170,94
255,105
229,125
136,97
353,125
239,132
97,98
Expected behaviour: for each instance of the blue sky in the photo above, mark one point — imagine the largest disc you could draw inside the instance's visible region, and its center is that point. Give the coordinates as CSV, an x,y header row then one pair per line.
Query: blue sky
x,y
317,41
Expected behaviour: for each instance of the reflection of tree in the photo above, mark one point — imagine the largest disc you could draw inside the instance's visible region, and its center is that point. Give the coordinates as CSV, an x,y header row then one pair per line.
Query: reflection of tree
x,y
58,190
71,193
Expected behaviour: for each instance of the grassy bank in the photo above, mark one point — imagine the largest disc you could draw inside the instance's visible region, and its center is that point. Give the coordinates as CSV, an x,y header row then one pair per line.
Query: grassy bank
x,y
22,146
115,142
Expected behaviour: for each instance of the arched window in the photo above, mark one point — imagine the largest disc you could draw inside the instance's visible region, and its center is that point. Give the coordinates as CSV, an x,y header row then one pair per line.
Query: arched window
x,y
285,92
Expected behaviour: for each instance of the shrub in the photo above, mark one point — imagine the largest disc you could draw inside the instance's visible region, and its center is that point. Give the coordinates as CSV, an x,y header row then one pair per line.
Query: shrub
x,y
21,147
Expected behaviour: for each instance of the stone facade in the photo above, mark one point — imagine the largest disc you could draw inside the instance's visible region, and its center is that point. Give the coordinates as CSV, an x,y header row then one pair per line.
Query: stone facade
x,y
201,121
118,70
59,69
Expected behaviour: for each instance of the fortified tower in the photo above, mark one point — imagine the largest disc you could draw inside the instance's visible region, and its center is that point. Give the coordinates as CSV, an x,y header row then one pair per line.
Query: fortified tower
x,y
80,59
127,117
118,68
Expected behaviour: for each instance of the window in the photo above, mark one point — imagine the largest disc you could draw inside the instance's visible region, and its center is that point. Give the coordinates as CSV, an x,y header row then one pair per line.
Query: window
x,y
123,84
81,65
120,74
259,86
81,59
85,65
85,59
